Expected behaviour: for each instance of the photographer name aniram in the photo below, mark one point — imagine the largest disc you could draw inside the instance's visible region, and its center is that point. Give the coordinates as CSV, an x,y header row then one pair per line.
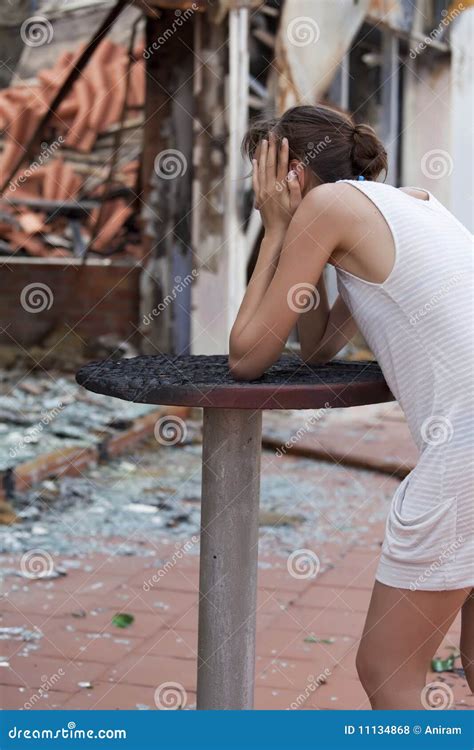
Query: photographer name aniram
x,y
443,730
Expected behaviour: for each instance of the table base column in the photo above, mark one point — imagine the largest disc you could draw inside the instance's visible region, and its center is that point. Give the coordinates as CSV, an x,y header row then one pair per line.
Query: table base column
x,y
229,552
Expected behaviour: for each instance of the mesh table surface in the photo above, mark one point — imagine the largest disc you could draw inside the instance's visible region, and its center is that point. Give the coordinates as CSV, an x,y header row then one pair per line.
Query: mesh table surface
x,y
205,381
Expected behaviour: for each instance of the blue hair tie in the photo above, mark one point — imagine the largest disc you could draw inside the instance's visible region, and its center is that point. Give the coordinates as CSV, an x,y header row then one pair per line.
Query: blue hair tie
x,y
360,178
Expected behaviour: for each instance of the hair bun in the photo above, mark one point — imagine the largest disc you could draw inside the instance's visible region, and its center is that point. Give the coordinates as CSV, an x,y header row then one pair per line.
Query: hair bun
x,y
368,155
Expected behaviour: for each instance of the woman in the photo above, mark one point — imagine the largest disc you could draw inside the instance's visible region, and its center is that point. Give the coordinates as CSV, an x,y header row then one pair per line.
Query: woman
x,y
404,268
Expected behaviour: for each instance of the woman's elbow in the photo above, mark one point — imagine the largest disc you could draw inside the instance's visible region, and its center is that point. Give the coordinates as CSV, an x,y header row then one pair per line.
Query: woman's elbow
x,y
240,363
242,370
316,357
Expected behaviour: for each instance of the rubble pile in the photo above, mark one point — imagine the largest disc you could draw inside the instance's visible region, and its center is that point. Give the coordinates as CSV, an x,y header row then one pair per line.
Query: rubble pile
x,y
60,202
41,414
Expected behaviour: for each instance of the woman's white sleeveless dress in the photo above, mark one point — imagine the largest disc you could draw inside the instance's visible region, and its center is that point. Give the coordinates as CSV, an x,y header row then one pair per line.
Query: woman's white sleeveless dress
x,y
419,325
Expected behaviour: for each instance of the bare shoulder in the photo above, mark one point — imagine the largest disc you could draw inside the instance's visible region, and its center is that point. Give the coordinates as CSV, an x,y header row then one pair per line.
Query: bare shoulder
x,y
329,200
328,211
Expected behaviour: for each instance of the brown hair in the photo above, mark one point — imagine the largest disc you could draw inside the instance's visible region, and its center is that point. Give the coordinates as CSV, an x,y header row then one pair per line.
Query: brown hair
x,y
325,140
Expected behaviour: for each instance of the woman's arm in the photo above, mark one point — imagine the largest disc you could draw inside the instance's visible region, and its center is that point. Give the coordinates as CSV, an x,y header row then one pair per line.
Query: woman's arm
x,y
258,339
312,324
277,196
321,345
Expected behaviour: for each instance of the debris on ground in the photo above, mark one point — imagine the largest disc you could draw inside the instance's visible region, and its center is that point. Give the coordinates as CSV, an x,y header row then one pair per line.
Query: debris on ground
x,y
65,200
122,620
40,414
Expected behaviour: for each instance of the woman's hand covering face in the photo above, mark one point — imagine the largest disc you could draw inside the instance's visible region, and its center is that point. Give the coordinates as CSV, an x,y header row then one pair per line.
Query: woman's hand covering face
x,y
277,190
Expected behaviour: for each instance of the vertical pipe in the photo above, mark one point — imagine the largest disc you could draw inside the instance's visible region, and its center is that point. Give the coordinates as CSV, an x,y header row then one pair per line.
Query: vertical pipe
x,y
229,551
390,126
237,100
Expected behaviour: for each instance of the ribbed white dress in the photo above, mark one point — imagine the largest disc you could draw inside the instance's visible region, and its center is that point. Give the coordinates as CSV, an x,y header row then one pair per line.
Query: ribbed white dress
x,y
419,325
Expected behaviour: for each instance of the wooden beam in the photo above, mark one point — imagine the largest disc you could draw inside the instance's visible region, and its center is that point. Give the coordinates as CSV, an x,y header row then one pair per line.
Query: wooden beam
x,y
166,172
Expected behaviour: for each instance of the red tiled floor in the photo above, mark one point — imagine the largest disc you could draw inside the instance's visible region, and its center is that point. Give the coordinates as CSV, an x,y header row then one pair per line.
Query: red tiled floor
x,y
298,645
274,699
33,671
106,696
339,693
182,644
288,674
335,597
152,671
348,576
12,698
66,642
167,603
177,579
305,628
144,625
314,620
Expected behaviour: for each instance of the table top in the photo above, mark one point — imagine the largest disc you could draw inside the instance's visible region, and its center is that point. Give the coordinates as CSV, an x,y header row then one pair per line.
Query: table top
x,y
205,381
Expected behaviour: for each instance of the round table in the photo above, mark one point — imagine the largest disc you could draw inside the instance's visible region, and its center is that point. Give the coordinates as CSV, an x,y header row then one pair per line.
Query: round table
x,y
231,483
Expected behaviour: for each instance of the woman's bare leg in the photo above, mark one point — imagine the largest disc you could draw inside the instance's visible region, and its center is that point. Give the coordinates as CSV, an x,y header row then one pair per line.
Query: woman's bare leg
x,y
467,639
402,631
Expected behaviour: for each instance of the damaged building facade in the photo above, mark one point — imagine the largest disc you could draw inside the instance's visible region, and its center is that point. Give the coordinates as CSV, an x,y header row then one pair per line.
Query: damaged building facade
x,y
140,223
